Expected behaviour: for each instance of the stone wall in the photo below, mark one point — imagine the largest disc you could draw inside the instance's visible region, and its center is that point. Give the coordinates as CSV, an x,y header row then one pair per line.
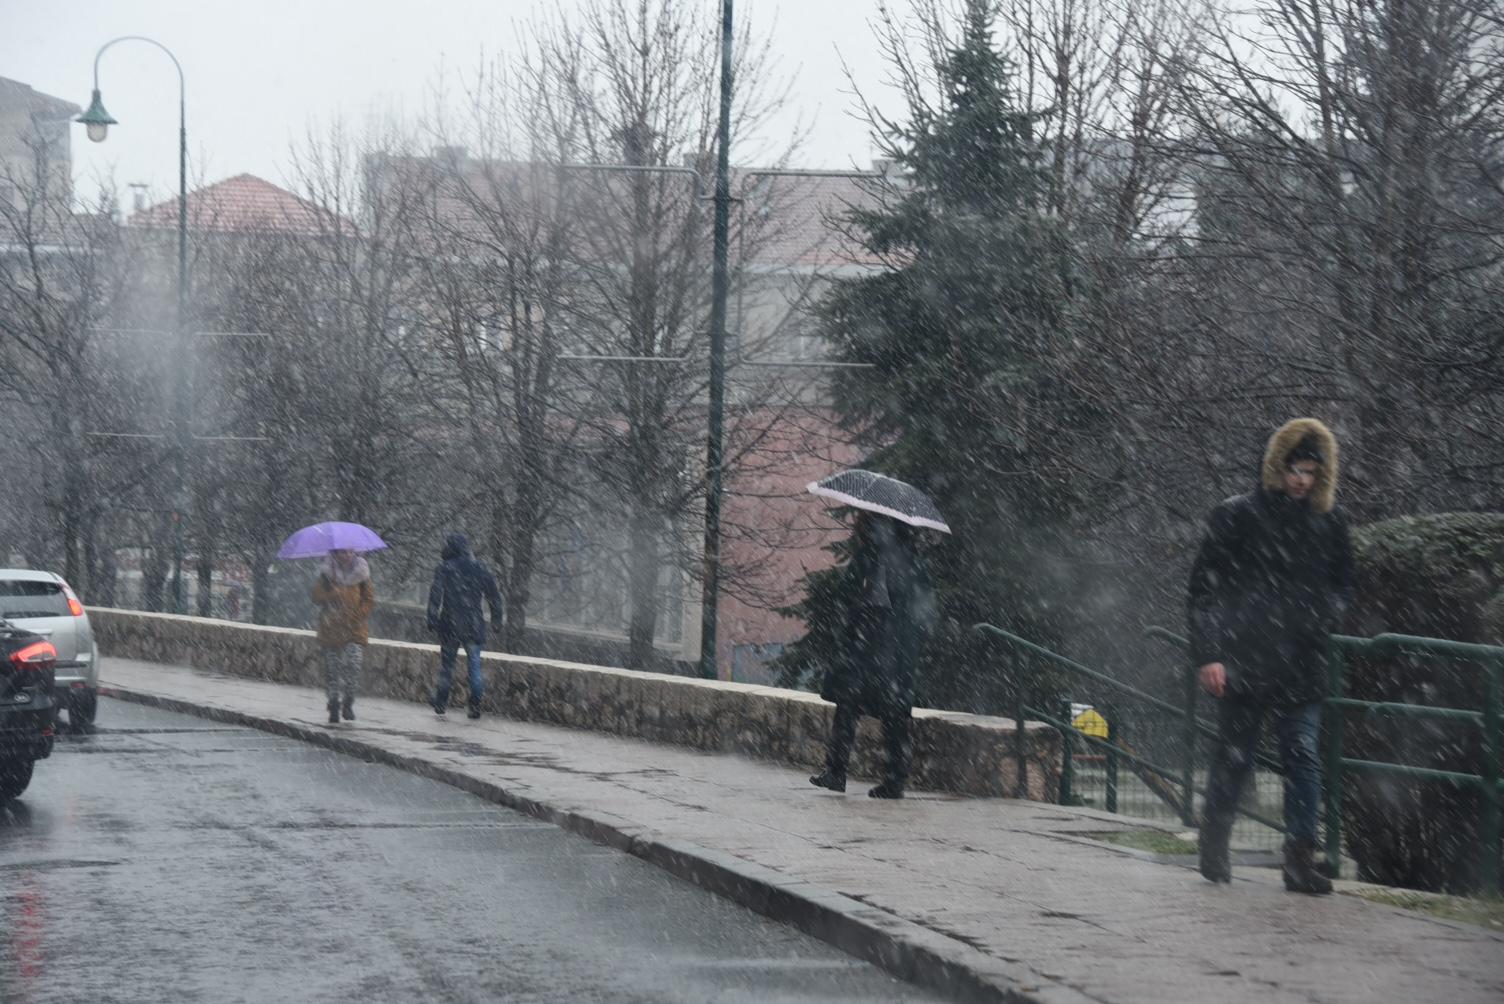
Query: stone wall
x,y
967,754
405,622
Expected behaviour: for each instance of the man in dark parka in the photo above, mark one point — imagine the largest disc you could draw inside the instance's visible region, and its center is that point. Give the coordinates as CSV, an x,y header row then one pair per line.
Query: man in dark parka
x,y
890,612
460,583
1273,579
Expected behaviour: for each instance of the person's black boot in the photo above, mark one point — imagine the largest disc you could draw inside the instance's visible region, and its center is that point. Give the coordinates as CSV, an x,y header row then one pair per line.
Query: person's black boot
x,y
473,711
333,712
825,779
888,789
1300,871
1216,860
437,705
349,709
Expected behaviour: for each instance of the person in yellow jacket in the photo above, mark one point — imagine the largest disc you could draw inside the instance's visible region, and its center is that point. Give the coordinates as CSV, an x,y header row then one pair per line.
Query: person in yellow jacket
x,y
345,597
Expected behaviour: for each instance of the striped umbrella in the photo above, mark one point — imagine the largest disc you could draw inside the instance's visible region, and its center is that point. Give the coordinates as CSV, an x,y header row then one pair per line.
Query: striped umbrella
x,y
882,494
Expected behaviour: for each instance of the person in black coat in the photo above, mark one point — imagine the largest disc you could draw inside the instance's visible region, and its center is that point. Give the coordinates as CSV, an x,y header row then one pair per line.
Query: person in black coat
x,y
1272,581
890,612
460,583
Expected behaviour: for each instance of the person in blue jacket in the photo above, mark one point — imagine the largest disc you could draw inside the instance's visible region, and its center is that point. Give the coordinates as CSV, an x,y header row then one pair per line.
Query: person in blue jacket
x,y
460,583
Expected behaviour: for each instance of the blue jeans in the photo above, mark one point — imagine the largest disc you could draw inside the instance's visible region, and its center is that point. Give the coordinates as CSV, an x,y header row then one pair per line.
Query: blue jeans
x,y
1297,730
448,649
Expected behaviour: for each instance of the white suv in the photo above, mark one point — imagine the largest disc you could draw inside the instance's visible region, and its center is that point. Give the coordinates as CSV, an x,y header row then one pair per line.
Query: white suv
x,y
43,603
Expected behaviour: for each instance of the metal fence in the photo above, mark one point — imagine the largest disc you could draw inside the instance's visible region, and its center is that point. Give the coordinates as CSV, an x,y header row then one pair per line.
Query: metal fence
x,y
1487,659
1102,778
1139,755
1153,761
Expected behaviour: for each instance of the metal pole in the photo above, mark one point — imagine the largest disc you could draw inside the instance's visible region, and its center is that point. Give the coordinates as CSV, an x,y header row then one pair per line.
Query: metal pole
x,y
1334,759
1114,734
1188,761
720,283
181,390
1020,736
182,437
1067,763
1491,845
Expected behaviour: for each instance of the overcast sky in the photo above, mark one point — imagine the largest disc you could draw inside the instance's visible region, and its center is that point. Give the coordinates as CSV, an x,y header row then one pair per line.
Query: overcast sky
x,y
258,72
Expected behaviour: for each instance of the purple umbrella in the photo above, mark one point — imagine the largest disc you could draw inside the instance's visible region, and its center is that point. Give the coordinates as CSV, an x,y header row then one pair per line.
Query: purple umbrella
x,y
321,538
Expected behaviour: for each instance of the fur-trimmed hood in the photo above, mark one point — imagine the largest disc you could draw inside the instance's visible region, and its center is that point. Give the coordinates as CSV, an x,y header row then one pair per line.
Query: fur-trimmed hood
x,y
1286,438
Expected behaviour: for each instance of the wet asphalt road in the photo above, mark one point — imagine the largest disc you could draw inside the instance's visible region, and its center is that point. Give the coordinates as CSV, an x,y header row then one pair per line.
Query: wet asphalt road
x,y
170,858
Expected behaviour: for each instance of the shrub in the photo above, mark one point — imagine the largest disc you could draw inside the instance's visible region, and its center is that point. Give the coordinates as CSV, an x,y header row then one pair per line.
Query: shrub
x,y
1440,576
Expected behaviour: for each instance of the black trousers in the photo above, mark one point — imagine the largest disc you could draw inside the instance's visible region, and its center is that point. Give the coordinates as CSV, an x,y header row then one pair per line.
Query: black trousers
x,y
895,740
1298,730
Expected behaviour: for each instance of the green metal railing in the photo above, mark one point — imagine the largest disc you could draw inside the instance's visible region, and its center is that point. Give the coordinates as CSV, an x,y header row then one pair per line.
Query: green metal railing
x,y
1182,776
1489,658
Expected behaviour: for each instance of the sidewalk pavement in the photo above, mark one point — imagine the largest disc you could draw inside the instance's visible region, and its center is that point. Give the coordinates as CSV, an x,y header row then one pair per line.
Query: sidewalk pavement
x,y
984,899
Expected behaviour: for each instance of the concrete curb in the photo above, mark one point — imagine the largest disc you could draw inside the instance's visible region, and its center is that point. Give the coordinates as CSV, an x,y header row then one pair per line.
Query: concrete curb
x,y
911,952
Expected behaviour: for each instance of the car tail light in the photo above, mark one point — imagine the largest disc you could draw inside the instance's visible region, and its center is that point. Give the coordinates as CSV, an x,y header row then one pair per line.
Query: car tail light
x,y
38,655
74,607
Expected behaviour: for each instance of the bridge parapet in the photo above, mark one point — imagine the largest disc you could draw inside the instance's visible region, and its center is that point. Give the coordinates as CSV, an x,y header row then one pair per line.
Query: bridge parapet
x,y
956,752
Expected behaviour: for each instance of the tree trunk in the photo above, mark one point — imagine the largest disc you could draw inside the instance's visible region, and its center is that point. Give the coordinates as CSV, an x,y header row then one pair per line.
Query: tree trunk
x,y
154,568
517,590
206,534
72,520
87,590
102,578
261,584
205,566
642,583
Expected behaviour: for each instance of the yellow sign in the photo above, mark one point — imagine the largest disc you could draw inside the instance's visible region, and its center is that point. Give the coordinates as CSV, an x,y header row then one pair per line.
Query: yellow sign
x,y
1091,723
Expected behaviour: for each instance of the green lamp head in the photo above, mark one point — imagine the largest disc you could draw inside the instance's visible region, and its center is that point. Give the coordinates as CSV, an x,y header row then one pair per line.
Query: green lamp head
x,y
96,120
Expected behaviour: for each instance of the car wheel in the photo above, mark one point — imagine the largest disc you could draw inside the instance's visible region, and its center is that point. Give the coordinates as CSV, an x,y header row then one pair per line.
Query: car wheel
x,y
15,775
82,708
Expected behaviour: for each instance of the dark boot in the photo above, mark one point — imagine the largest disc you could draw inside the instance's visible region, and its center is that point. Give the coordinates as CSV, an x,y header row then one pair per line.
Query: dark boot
x,y
473,711
837,750
825,779
1216,861
349,709
1300,871
896,739
333,712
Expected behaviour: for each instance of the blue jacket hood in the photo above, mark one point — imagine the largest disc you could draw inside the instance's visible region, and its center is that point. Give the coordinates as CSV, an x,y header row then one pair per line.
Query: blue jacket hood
x,y
456,545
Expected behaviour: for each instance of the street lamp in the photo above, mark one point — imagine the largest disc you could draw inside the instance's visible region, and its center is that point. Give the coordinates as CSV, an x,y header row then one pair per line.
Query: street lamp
x,y
97,119
97,123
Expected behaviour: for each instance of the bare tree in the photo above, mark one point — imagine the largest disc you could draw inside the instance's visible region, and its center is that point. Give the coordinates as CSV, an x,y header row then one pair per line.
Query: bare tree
x,y
639,80
62,276
1350,152
501,237
350,314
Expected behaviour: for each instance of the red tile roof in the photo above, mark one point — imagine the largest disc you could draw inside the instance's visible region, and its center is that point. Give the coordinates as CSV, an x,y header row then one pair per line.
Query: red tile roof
x,y
239,204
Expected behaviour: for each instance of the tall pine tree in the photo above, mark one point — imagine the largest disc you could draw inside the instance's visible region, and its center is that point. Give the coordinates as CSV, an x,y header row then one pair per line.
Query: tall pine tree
x,y
969,339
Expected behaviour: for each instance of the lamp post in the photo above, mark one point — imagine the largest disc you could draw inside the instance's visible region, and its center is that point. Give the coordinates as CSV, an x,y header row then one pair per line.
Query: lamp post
x,y
97,123
720,283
